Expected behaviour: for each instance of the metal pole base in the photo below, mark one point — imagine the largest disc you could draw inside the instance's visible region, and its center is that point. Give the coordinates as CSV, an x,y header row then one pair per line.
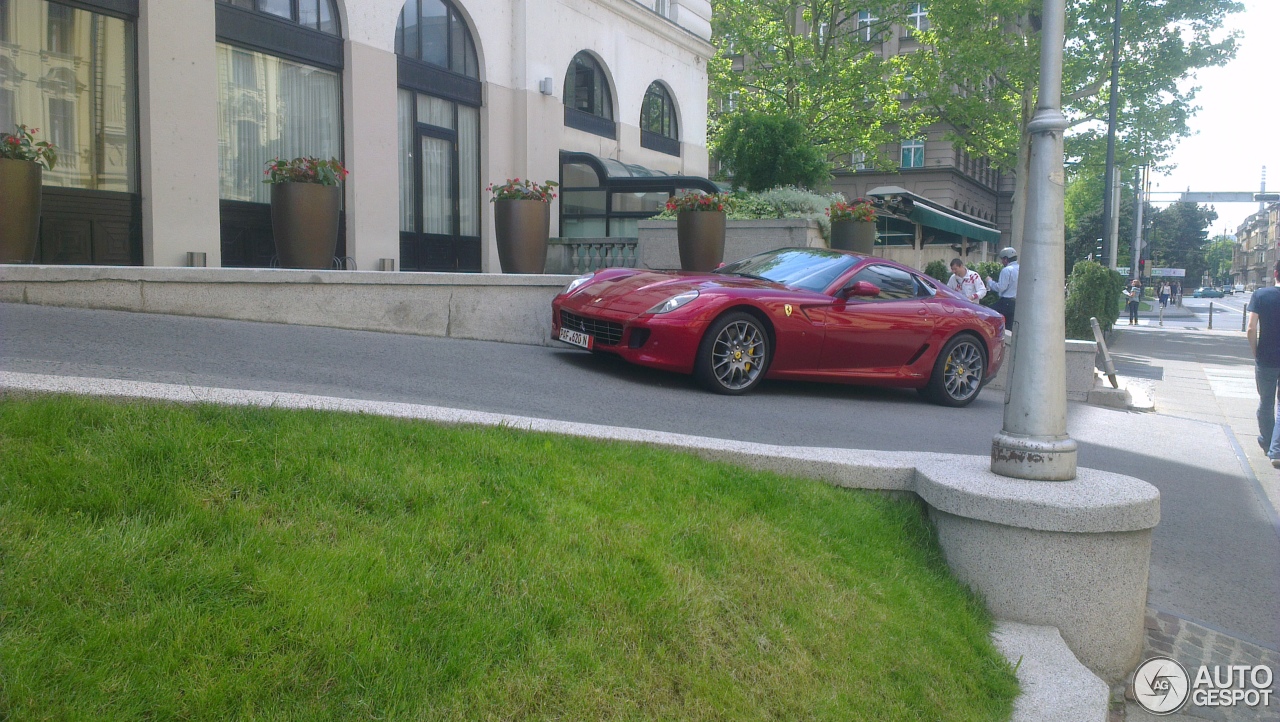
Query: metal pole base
x,y
1038,458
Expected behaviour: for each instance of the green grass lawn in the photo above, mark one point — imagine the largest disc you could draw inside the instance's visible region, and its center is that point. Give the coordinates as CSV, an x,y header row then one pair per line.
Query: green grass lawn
x,y
199,562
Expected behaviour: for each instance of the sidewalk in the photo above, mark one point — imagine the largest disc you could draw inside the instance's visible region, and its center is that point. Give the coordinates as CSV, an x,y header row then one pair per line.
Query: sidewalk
x,y
1194,373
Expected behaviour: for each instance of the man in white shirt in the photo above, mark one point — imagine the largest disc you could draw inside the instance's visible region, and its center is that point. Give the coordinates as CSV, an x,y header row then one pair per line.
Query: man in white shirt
x,y
1007,286
967,283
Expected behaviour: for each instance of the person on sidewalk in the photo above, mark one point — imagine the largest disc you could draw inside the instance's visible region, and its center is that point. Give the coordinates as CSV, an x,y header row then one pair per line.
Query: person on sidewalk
x,y
1133,294
1264,339
965,282
1164,295
1007,286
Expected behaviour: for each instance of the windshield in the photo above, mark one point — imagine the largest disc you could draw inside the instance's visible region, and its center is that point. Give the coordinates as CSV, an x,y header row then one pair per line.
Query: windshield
x,y
810,269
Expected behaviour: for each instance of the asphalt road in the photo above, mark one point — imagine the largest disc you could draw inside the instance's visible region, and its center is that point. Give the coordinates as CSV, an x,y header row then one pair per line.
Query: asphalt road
x,y
1215,555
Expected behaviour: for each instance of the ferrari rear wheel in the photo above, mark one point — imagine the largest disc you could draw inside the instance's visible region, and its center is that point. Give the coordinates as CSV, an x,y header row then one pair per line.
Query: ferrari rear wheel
x,y
733,355
958,372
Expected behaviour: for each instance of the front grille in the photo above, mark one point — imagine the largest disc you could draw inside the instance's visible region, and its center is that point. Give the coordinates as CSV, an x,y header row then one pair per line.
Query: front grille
x,y
606,333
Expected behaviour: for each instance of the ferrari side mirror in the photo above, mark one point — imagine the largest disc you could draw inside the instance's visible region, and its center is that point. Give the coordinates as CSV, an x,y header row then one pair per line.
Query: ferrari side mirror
x,y
862,289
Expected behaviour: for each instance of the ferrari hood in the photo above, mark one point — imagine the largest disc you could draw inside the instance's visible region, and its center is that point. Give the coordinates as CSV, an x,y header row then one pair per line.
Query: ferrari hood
x,y
642,291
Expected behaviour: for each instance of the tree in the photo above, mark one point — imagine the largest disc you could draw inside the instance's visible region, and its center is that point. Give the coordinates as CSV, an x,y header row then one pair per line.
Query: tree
x,y
815,62
980,72
1178,237
1218,255
764,151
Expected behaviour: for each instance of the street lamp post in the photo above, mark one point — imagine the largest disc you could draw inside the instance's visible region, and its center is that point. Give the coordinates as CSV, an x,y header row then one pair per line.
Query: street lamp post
x,y
1033,444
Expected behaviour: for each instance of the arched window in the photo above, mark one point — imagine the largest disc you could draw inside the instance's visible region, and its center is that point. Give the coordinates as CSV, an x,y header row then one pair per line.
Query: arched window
x,y
279,95
588,102
434,32
659,129
319,15
439,100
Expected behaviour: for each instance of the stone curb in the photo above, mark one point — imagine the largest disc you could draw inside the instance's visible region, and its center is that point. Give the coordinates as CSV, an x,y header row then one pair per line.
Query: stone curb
x,y
1055,686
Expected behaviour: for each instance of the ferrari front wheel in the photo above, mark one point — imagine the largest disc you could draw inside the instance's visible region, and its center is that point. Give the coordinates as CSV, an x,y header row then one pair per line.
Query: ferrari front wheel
x,y
733,355
958,373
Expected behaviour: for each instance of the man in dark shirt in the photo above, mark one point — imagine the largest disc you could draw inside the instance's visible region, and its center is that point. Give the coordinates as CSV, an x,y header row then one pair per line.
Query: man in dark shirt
x,y
1264,339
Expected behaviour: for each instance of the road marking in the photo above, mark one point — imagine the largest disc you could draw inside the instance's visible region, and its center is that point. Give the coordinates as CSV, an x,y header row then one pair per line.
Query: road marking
x,y
1232,383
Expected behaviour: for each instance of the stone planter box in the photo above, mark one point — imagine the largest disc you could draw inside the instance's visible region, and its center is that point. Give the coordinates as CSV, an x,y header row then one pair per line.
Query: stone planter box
x,y
20,204
657,247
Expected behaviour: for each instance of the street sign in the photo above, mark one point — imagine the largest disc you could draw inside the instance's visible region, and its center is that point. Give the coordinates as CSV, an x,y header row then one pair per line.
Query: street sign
x,y
1169,272
1122,270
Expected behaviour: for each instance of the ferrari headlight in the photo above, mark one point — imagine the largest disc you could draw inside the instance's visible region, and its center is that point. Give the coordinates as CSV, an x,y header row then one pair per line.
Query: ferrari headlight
x,y
576,283
674,302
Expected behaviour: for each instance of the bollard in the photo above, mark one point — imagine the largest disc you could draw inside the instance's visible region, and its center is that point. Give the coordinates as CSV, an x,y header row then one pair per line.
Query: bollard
x,y
1211,315
1244,317
1162,315
1107,364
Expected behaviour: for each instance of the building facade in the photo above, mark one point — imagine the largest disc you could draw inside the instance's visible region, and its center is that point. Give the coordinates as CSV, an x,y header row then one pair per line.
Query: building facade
x,y
166,111
1254,257
928,164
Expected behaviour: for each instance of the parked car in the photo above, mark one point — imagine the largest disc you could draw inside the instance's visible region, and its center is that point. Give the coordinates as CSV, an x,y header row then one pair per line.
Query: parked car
x,y
810,314
1207,292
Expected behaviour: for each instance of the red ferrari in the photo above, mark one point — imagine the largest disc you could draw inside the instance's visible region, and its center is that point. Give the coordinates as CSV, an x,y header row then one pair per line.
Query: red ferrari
x,y
808,314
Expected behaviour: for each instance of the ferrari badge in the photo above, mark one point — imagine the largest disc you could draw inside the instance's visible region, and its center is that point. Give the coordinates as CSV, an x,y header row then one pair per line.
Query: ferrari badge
x,y
787,308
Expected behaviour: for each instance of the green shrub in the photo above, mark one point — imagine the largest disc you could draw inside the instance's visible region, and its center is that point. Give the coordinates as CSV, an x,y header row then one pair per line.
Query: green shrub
x,y
1092,290
938,270
988,269
762,151
781,202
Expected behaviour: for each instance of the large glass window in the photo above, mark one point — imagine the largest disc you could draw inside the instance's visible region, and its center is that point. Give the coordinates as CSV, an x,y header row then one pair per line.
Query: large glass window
x,y
867,25
319,15
917,18
428,128
434,32
270,107
586,87
70,73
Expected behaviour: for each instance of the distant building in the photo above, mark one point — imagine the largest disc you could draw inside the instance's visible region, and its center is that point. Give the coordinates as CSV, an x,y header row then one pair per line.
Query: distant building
x,y
1254,258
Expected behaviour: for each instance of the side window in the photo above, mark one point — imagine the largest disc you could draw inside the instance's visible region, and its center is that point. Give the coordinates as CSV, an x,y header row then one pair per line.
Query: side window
x,y
894,284
924,289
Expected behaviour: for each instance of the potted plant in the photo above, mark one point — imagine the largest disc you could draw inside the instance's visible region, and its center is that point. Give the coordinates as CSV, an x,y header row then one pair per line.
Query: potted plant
x,y
700,221
853,225
305,201
522,223
22,164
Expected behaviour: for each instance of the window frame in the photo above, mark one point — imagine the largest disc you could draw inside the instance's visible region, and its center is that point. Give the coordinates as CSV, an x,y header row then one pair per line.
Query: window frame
x,y
914,145
917,19
454,18
865,23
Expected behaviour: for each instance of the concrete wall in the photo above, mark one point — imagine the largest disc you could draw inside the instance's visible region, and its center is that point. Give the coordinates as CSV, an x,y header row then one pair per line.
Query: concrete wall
x,y
1081,362
487,307
658,247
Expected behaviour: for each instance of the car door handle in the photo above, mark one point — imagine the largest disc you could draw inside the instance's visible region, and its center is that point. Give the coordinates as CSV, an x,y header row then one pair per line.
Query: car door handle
x,y
922,311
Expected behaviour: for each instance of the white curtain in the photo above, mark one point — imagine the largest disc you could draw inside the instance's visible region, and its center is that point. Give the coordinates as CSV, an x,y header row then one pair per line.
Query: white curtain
x,y
468,171
269,107
407,156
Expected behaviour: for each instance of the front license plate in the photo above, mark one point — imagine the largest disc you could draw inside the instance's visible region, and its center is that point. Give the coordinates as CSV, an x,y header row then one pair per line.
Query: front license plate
x,y
577,338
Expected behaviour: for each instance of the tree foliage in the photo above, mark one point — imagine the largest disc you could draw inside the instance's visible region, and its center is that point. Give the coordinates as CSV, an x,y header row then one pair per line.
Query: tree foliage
x,y
1178,236
1093,291
980,72
761,150
1217,258
809,60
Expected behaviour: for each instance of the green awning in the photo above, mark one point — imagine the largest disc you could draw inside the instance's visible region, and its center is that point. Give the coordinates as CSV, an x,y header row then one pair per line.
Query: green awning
x,y
930,218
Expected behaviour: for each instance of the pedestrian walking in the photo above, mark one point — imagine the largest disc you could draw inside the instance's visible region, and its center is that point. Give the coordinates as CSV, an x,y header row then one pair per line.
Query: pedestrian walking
x,y
1133,295
1006,286
1264,339
967,283
1164,295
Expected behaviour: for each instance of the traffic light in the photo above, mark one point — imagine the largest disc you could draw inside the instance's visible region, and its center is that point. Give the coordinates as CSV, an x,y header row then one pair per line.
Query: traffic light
x,y
1142,267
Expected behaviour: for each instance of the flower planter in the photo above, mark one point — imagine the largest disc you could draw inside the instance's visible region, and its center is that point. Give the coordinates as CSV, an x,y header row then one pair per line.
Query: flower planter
x,y
20,218
856,236
304,221
521,228
700,236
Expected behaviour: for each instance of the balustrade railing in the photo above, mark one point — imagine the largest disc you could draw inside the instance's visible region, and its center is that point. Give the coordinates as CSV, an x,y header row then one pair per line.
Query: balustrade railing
x,y
584,255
